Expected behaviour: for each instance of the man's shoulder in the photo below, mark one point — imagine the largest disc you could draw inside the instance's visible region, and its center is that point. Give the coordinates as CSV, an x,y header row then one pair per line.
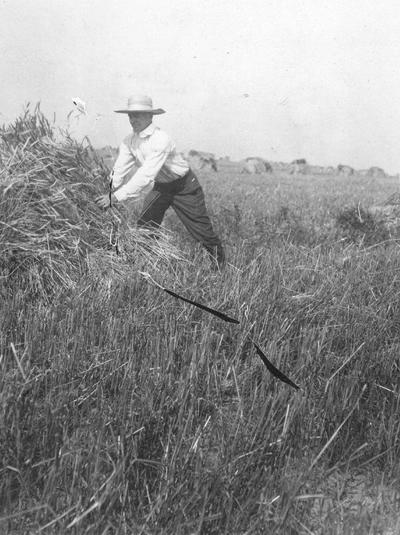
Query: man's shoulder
x,y
160,139
159,133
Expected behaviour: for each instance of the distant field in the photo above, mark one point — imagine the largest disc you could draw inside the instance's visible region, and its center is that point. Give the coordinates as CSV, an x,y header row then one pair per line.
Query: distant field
x,y
312,201
125,410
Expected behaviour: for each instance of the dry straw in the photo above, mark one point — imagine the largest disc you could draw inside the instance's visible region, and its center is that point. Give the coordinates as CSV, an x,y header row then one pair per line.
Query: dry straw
x,y
49,222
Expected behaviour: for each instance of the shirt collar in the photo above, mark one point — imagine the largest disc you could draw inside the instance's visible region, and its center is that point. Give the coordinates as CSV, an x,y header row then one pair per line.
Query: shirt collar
x,y
148,130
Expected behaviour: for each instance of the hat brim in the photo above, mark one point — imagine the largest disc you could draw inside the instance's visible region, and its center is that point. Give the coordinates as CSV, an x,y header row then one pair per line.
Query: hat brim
x,y
158,111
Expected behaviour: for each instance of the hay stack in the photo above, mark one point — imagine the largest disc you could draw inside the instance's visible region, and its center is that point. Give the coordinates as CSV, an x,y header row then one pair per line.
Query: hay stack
x,y
388,213
49,222
204,161
255,165
376,172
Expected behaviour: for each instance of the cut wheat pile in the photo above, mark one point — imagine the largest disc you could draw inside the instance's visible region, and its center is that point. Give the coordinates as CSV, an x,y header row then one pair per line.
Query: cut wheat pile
x,y
49,222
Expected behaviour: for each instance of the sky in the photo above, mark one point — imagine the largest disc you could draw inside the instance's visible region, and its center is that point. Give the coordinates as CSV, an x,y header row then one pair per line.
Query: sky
x,y
279,79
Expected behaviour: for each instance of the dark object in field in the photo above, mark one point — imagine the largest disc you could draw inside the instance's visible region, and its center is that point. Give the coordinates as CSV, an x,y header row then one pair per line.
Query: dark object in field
x,y
202,160
361,226
299,167
345,170
272,368
220,315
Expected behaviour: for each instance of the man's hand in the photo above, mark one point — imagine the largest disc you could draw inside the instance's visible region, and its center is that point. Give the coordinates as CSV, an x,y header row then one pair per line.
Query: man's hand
x,y
104,200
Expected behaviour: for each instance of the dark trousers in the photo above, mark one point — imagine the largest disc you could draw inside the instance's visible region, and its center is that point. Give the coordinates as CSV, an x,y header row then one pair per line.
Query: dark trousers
x,y
186,197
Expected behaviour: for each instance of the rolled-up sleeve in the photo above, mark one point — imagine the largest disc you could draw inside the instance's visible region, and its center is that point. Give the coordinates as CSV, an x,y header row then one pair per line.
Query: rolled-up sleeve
x,y
123,164
158,151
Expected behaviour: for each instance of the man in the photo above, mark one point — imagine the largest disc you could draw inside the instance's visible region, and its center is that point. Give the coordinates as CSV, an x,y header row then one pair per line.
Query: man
x,y
174,183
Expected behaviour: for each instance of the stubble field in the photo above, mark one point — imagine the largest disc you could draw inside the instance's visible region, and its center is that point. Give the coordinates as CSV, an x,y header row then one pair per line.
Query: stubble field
x,y
124,410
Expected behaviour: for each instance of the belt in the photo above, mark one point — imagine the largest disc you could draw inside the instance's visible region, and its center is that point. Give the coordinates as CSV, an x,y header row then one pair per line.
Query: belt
x,y
166,176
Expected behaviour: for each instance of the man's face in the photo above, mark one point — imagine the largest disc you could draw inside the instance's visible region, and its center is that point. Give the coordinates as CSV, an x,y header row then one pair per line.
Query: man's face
x,y
140,120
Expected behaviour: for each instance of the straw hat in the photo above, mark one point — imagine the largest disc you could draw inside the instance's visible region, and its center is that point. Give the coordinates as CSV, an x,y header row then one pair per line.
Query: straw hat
x,y
140,103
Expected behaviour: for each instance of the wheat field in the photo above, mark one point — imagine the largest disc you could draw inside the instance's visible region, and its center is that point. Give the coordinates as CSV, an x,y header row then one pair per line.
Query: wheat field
x,y
127,411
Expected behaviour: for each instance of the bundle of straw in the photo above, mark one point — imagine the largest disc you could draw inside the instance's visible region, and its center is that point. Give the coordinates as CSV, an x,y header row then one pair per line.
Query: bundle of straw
x,y
49,222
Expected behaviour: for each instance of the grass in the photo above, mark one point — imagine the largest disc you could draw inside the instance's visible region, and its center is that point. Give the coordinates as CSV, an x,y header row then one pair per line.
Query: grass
x,y
124,410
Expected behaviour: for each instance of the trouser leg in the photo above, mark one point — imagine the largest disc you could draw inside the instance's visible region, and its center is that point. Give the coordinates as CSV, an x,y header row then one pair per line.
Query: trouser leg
x,y
154,207
189,205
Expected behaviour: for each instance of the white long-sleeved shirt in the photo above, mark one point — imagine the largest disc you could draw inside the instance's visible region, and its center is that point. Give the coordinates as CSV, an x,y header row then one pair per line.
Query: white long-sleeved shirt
x,y
155,154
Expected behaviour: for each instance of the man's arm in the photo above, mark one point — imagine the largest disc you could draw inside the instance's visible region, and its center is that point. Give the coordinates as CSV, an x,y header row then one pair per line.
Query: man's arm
x,y
159,150
123,164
